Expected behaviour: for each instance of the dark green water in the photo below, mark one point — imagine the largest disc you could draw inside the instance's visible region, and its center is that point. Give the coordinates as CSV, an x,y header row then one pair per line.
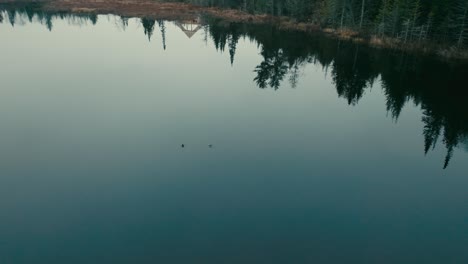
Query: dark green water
x,y
322,151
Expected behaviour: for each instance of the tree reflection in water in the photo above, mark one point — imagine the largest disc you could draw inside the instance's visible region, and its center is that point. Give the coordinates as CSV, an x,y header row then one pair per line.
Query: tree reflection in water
x,y
433,85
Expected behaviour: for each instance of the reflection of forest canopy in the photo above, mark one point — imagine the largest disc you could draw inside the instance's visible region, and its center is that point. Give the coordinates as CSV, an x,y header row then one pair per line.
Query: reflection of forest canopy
x,y
433,85
33,10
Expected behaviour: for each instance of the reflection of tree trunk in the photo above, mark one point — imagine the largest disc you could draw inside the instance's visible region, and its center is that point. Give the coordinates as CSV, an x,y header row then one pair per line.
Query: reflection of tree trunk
x,y
11,17
162,27
448,157
232,46
293,78
403,62
124,21
205,34
362,13
355,56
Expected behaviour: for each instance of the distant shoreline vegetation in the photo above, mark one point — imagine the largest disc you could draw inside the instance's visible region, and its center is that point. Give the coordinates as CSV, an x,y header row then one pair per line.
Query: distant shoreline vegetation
x,y
431,26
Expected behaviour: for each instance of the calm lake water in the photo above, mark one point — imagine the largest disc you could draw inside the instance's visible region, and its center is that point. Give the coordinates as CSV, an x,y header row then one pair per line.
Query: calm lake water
x,y
321,151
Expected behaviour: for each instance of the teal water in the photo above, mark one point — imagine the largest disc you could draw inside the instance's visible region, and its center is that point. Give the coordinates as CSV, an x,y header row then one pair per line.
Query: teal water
x,y
322,151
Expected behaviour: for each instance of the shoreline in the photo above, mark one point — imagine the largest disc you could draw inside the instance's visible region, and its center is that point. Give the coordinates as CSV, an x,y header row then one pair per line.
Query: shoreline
x,y
182,11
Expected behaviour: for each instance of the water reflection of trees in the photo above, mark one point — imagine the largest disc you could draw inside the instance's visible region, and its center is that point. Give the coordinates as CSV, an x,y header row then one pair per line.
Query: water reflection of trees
x,y
148,26
434,86
31,11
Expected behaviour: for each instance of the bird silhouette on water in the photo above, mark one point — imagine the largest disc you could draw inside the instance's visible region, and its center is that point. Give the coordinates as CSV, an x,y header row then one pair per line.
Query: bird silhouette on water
x,y
210,146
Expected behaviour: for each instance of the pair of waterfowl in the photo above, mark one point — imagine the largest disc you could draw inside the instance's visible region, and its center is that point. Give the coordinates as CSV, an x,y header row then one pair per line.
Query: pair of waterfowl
x,y
210,145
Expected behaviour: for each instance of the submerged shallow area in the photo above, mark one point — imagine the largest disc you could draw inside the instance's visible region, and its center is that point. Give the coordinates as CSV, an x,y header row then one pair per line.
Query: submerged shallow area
x,y
321,150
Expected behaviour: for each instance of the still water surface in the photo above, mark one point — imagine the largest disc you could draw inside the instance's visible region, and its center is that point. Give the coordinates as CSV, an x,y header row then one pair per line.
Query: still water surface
x,y
322,151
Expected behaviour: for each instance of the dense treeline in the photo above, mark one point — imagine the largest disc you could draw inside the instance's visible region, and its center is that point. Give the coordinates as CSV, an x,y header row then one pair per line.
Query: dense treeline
x,y
435,86
441,21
